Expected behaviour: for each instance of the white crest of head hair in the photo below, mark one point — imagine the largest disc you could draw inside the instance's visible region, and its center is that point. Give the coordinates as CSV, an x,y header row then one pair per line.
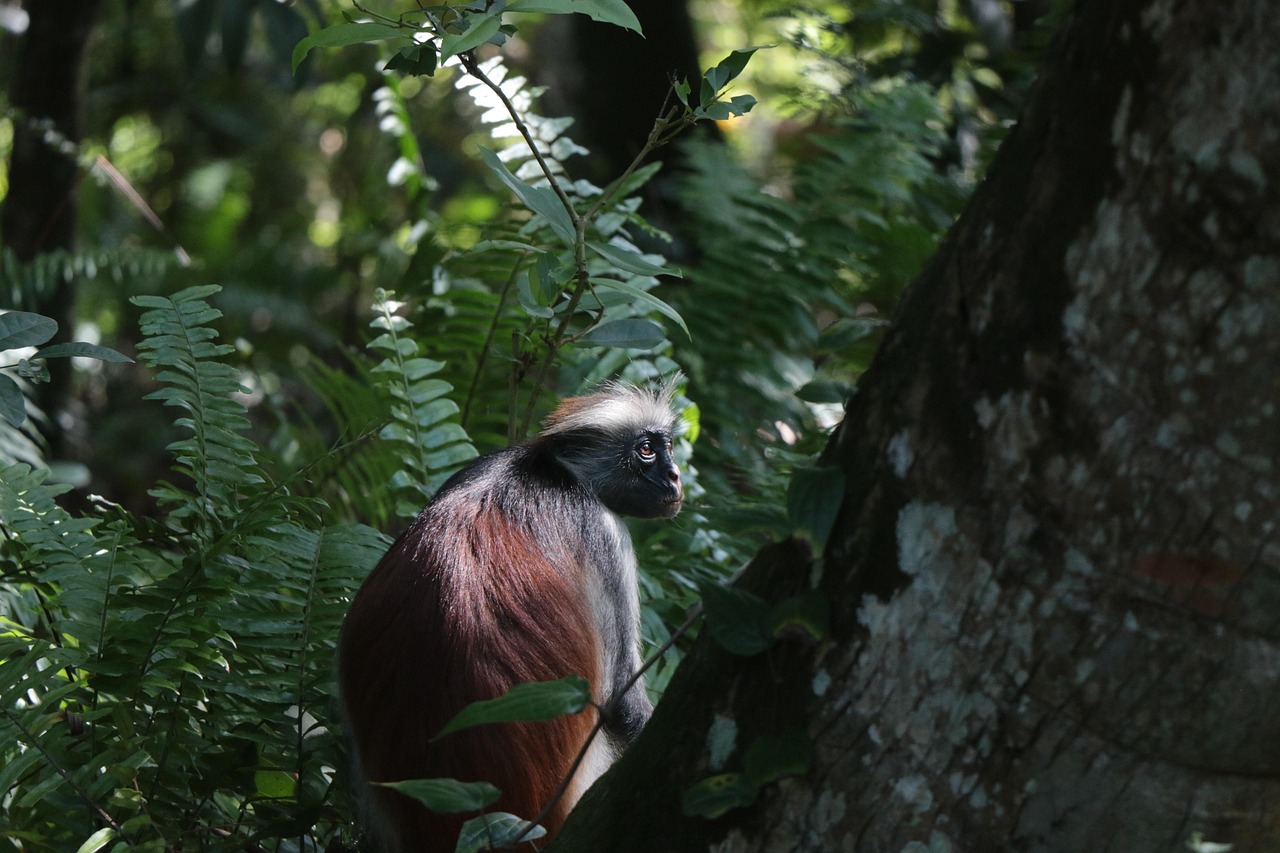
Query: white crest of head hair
x,y
617,408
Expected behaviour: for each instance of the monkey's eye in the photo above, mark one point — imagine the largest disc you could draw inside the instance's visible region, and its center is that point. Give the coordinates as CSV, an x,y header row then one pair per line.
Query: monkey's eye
x,y
645,450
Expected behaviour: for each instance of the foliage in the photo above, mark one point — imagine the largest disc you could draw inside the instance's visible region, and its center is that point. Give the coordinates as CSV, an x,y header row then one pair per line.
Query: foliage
x,y
167,684
823,259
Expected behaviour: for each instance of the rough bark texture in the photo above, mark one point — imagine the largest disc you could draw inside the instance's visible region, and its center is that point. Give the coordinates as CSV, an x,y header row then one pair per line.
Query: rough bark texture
x,y
1055,578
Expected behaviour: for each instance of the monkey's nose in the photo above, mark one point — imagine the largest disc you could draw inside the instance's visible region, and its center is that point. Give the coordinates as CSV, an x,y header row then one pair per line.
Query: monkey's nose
x,y
674,475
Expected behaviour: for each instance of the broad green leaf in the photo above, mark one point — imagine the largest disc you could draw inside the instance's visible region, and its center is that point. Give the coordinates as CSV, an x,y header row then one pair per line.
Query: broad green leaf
x,y
773,757
98,840
525,703
630,333
736,619
479,30
275,784
24,329
341,35
448,796
806,617
415,59
645,298
530,301
496,831
12,407
814,496
82,350
606,11
728,68
825,391
629,261
541,200
712,797
741,104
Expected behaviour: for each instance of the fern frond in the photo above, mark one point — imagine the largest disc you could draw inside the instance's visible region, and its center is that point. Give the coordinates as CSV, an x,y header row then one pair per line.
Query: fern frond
x,y
218,458
28,285
424,430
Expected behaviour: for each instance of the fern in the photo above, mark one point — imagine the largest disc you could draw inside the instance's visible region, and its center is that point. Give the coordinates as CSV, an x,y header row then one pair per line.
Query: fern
x,y
168,686
424,431
29,285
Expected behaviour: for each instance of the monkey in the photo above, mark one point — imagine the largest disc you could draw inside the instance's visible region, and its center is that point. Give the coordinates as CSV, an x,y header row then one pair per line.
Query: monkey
x,y
519,569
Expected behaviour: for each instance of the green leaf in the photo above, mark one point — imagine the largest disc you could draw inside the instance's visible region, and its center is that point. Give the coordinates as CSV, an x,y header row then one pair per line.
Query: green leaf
x,y
541,200
629,261
496,831
341,35
741,104
82,350
525,703
712,797
630,333
814,496
275,784
728,68
806,617
415,59
24,329
737,619
448,795
98,840
606,11
479,30
682,90
773,757
12,406
825,391
645,298
847,331
530,301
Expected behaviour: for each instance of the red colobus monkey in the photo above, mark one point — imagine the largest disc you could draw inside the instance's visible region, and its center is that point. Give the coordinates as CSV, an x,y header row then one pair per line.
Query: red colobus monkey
x,y
518,570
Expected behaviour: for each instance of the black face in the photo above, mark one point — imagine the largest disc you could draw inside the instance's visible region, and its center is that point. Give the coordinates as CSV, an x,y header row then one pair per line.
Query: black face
x,y
647,482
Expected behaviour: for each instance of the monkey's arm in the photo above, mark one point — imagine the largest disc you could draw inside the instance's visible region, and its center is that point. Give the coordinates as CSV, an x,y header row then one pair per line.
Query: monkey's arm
x,y
625,714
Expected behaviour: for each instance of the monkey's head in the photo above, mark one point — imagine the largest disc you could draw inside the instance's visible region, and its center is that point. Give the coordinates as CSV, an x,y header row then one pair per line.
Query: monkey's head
x,y
618,443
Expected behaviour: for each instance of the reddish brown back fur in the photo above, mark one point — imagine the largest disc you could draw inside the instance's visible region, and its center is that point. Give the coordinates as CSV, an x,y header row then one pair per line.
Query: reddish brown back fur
x,y
457,611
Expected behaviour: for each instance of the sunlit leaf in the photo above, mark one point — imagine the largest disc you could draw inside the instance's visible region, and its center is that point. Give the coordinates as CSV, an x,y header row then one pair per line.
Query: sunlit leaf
x,y
605,11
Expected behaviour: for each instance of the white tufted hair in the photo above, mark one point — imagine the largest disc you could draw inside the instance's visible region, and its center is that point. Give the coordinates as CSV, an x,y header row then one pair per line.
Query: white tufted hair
x,y
615,408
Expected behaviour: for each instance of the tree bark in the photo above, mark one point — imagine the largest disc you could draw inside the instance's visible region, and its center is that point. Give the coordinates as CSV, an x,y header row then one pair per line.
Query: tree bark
x,y
1054,577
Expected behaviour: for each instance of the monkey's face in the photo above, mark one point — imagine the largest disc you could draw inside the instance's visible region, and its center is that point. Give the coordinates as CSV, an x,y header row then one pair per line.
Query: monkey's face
x,y
647,482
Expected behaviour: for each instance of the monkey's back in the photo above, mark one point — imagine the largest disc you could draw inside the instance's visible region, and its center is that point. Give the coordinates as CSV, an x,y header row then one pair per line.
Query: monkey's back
x,y
479,594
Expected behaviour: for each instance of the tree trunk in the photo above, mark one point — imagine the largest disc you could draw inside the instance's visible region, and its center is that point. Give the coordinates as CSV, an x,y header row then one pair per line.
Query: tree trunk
x,y
1054,578
39,212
